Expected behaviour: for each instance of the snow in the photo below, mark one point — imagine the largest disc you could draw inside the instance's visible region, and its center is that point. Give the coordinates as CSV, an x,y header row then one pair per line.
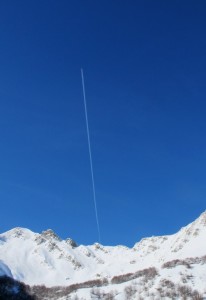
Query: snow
x,y
4,269
44,258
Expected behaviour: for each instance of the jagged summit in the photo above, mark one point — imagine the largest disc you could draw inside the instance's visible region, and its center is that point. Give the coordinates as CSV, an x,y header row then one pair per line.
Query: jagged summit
x,y
71,242
50,234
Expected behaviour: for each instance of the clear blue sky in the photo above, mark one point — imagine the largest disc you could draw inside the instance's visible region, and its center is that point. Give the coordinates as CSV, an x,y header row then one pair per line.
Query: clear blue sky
x,y
145,68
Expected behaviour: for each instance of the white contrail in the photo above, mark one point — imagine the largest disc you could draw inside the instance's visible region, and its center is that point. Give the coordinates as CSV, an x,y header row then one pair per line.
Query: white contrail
x,y
90,155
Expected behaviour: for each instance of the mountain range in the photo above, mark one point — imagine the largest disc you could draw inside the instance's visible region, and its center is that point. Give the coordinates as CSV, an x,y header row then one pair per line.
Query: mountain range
x,y
159,267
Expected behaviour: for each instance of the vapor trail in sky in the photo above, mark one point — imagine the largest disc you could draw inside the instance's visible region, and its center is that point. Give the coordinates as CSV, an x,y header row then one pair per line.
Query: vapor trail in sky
x,y
90,155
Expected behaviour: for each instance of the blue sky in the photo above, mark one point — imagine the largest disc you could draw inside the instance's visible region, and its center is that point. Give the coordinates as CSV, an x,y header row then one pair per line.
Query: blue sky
x,y
145,65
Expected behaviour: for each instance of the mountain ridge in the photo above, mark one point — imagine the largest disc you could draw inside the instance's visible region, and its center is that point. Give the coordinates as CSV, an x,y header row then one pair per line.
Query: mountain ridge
x,y
44,258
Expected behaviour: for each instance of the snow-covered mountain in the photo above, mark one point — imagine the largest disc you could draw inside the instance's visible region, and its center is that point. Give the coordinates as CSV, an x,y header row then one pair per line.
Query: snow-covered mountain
x,y
156,265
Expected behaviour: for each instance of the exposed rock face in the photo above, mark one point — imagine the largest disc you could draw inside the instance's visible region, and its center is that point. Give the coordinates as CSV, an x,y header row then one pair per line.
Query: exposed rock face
x,y
71,242
50,234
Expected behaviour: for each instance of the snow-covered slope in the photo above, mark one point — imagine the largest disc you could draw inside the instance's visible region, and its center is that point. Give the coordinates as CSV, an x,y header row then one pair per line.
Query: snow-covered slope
x,y
44,258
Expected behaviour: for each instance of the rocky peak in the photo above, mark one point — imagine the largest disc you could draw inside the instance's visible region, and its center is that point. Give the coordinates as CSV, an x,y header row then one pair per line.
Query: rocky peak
x,y
71,242
18,232
50,234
